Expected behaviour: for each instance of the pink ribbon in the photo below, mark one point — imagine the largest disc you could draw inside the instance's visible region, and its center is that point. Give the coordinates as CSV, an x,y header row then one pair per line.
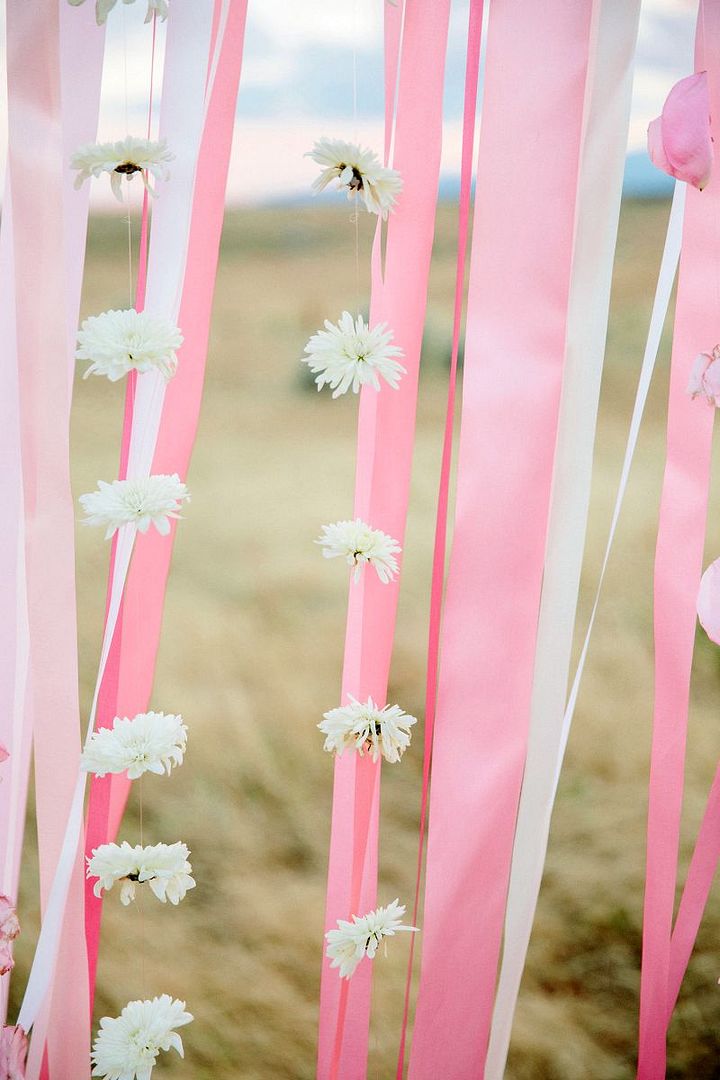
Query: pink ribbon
x,y
472,69
537,61
678,566
386,426
45,117
141,616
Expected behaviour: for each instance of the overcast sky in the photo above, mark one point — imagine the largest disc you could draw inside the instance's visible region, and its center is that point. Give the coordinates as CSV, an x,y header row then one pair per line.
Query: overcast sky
x,y
297,82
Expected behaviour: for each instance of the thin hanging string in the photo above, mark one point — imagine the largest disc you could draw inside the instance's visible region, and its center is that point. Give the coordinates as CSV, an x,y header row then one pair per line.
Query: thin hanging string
x,y
356,215
472,68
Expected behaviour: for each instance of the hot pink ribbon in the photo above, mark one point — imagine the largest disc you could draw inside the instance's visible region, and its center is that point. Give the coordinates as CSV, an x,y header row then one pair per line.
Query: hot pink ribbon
x,y
678,565
385,440
527,176
472,69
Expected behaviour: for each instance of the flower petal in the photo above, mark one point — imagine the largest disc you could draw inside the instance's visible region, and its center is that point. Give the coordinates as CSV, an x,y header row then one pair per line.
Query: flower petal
x,y
708,602
679,141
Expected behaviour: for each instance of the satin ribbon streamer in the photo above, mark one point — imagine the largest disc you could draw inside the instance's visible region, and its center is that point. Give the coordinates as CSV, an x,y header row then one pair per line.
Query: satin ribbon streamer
x,y
385,440
533,99
472,69
47,112
598,210
678,566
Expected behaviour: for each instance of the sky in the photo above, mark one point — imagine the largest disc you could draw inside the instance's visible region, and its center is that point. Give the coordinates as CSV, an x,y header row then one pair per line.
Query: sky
x,y
297,84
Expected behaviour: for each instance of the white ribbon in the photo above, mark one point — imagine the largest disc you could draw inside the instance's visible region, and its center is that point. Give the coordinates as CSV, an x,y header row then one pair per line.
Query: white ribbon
x,y
598,209
183,112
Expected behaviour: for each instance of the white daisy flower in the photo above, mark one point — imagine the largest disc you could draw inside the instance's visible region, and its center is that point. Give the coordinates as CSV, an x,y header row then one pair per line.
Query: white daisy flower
x,y
349,353
120,341
104,7
362,727
152,500
164,867
150,742
359,171
358,544
353,940
123,158
127,1046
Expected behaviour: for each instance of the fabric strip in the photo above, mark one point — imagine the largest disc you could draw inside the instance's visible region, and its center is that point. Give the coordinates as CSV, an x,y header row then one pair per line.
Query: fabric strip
x,y
472,71
678,566
598,211
527,177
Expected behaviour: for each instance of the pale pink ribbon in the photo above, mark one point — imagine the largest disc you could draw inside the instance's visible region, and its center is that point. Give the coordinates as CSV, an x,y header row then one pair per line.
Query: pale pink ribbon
x,y
141,616
385,440
678,567
47,297
527,176
472,70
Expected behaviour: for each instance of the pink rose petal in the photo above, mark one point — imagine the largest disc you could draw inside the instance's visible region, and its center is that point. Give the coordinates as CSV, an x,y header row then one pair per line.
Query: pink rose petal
x,y
9,925
708,602
679,140
705,377
13,1052
6,960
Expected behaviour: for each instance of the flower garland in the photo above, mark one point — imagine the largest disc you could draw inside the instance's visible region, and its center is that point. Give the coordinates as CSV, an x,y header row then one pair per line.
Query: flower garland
x,y
116,343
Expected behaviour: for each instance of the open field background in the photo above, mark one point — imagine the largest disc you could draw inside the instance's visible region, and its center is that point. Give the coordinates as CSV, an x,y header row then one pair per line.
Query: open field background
x,y
251,655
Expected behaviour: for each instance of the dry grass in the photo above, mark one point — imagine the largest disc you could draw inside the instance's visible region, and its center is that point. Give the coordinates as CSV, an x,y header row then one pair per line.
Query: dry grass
x,y
251,654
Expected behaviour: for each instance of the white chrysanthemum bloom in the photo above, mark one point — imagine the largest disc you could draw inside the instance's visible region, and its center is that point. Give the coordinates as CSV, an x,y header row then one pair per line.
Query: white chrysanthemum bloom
x,y
359,171
104,7
353,940
358,544
123,158
152,500
127,1046
349,353
120,341
364,727
151,742
164,867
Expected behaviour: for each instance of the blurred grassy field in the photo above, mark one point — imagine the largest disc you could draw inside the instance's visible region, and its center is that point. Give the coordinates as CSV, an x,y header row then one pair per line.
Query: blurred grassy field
x,y
251,655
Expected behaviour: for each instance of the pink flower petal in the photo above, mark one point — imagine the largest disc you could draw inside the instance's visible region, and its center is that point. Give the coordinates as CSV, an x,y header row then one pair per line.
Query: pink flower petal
x,y
6,960
708,602
4,754
13,1052
679,141
9,925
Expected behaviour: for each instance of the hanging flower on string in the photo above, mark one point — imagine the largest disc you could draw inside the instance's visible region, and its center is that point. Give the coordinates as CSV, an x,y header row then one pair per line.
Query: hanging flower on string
x,y
117,342
358,544
354,940
104,7
679,141
359,171
151,500
124,158
164,867
350,353
705,377
151,742
365,727
9,930
127,1046
13,1052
